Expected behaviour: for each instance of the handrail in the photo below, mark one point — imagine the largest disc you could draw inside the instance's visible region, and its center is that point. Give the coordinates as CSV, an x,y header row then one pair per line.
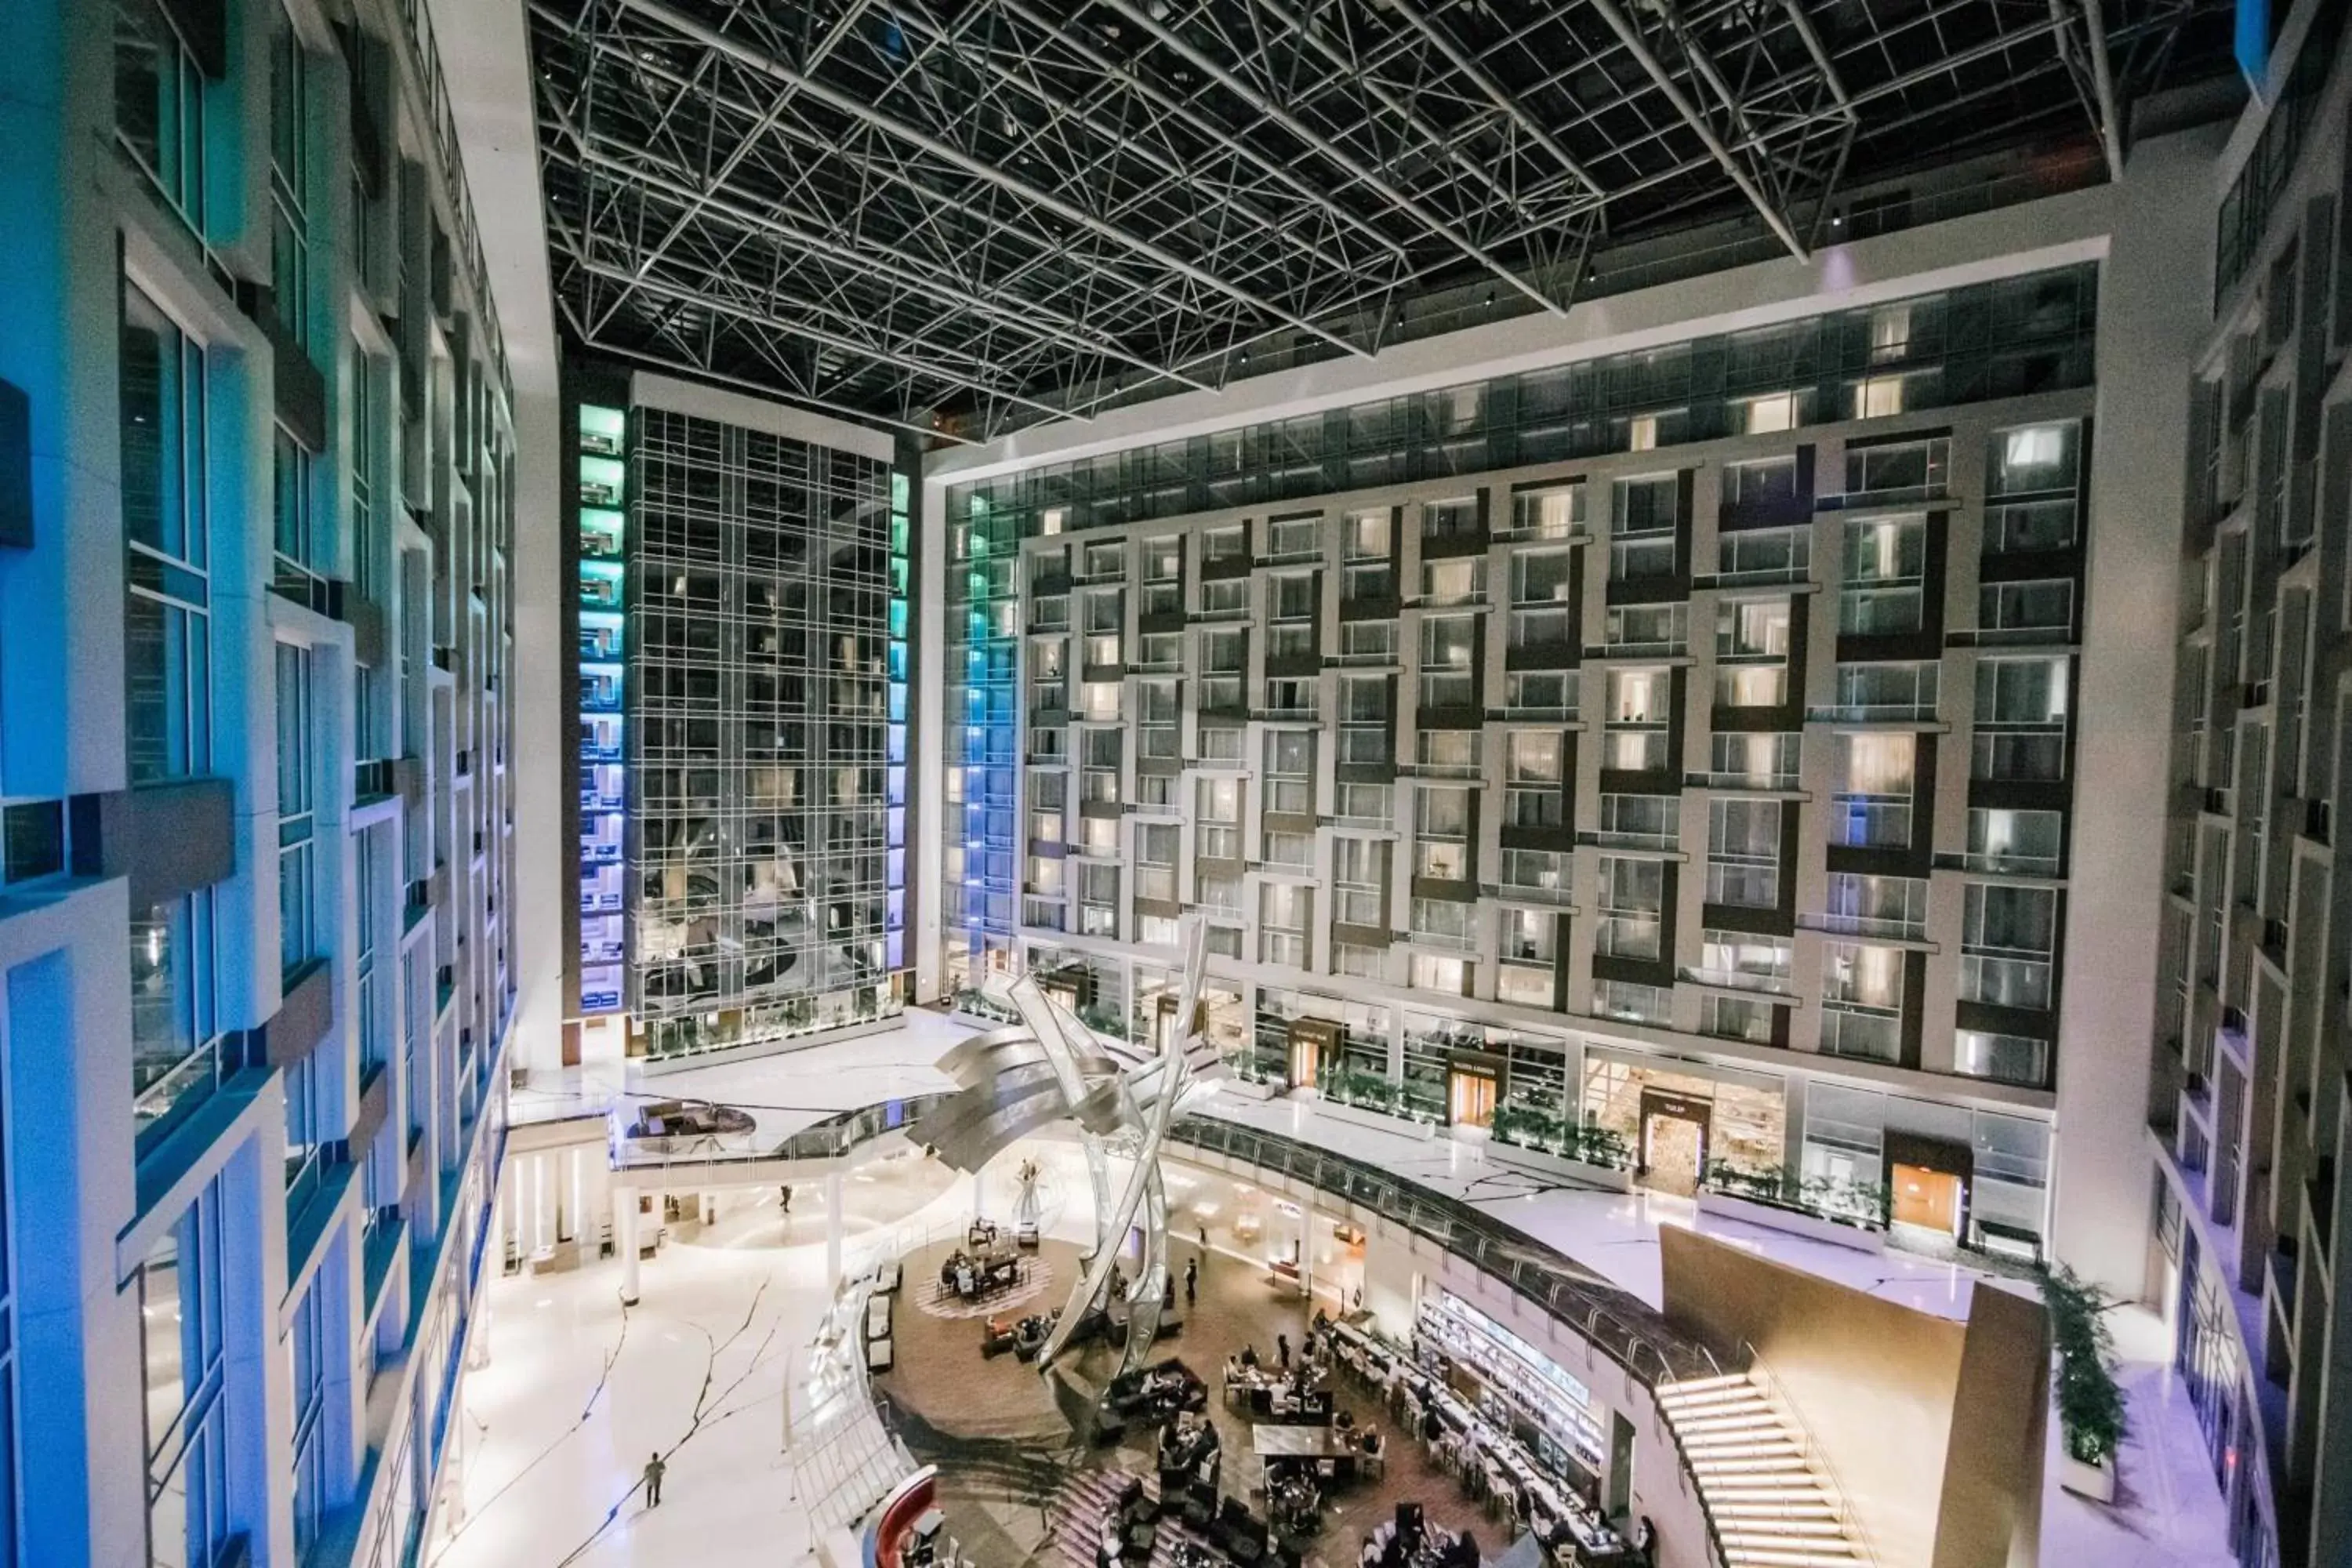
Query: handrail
x,y
829,1139
1622,1327
1609,1318
1697,1489
1592,1310
1817,1459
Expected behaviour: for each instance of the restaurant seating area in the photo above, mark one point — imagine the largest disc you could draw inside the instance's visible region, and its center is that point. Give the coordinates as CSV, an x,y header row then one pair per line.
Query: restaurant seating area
x,y
1277,1438
1490,1462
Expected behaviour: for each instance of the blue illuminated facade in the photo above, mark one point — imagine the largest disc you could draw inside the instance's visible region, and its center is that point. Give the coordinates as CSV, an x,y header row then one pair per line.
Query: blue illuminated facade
x,y
256,858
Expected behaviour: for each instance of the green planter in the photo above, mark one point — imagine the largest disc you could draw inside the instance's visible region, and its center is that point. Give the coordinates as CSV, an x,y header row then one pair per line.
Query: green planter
x,y
2091,1419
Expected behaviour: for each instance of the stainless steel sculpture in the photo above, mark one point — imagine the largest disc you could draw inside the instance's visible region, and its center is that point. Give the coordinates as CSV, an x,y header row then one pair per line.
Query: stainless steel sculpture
x,y
1017,1080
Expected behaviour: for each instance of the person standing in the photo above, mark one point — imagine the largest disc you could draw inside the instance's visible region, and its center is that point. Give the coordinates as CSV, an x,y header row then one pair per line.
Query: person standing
x,y
654,1471
1192,1280
1645,1541
1282,1352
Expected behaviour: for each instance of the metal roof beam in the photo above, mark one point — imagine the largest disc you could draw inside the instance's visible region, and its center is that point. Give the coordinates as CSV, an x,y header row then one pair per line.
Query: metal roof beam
x,y
1773,218
1026,316
2082,42
1463,61
713,183
1129,285
841,102
1334,153
938,368
1175,109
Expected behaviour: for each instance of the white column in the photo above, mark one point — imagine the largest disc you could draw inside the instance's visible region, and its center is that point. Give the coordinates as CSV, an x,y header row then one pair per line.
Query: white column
x,y
544,1177
624,1236
832,1227
1306,1249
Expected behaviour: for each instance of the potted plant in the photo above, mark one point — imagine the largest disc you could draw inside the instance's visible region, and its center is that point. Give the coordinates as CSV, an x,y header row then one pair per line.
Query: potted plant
x,y
2090,1404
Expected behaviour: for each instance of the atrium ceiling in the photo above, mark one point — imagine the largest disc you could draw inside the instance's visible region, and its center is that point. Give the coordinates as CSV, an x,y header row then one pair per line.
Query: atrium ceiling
x,y
966,216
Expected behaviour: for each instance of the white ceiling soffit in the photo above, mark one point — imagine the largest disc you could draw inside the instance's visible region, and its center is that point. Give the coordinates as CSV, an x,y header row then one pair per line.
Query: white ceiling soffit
x,y
486,63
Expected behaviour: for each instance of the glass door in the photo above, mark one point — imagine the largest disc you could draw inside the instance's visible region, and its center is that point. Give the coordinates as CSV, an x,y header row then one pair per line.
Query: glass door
x,y
1470,1097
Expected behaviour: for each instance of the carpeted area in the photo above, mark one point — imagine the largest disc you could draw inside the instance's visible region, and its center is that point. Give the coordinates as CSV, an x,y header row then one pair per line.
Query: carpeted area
x,y
1002,1440
940,1300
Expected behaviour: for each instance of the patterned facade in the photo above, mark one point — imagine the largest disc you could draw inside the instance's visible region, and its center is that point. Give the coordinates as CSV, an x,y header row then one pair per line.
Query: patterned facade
x,y
1682,737
256,640
742,629
2248,1115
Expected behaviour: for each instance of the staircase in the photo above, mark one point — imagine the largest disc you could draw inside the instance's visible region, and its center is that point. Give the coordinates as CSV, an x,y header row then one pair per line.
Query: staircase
x,y
1771,1505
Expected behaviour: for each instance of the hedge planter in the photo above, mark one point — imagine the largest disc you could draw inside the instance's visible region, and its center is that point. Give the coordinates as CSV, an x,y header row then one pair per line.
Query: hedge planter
x,y
2091,1417
1243,1089
2096,1482
1790,1222
1601,1178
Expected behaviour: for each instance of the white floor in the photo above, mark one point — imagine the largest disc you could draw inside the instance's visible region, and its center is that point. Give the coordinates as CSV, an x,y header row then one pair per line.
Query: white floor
x,y
557,1428
2168,1511
1612,1233
578,1392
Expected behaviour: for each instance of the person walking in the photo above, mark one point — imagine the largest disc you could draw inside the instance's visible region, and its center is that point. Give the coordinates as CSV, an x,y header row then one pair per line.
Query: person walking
x,y
1192,1280
1282,1352
655,1469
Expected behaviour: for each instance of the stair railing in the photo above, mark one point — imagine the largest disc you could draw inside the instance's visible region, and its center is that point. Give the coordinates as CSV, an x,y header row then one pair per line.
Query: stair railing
x,y
1817,1460
1693,1483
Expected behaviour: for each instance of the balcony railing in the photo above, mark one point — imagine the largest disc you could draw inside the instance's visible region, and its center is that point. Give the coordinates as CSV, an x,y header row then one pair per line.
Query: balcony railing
x,y
1778,781
1425,769
1651,648
1737,980
1884,496
1914,712
1895,928
1870,1034
1999,863
1631,838
1753,577
1528,893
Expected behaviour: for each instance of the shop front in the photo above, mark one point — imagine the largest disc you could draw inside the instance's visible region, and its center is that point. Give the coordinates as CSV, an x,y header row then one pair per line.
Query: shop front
x,y
1681,1119
1939,1176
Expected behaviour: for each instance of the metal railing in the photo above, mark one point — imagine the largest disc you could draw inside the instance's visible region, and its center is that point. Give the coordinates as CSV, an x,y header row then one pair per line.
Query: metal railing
x,y
830,1139
1626,1330
1825,1476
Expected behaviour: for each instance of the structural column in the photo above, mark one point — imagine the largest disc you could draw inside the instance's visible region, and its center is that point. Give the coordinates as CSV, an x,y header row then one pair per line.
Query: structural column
x,y
832,1227
543,1202
624,1236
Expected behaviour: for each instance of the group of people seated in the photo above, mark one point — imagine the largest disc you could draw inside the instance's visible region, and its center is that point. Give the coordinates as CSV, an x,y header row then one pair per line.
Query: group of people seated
x,y
1294,1498
1286,1391
1024,1336
971,1275
1189,1451
1156,1392
1477,1449
1408,1541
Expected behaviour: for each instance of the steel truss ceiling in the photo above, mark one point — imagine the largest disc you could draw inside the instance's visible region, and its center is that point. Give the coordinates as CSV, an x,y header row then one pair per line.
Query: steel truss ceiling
x,y
968,216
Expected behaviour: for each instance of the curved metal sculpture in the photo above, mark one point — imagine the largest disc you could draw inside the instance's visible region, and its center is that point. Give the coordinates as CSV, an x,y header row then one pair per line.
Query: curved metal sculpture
x,y
1019,1079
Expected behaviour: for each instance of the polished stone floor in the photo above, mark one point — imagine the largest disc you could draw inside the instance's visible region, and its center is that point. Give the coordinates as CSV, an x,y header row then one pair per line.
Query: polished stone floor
x,y
575,1394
